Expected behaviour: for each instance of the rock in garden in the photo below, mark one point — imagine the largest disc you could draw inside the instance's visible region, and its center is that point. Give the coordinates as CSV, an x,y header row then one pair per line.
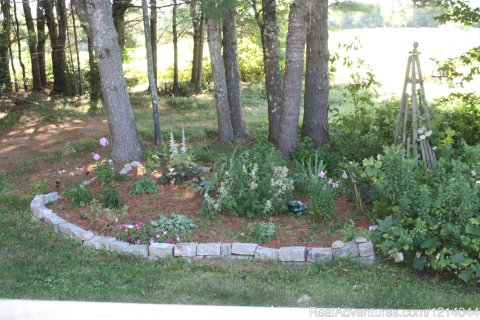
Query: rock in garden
x,y
118,246
366,249
372,228
292,254
226,249
338,244
361,239
51,197
54,221
209,249
160,250
185,249
137,250
304,299
123,171
349,250
244,249
127,167
265,253
41,212
99,243
319,254
397,257
135,163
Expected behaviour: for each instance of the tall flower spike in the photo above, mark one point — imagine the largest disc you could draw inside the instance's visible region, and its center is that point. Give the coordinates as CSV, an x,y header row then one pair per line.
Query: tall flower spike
x,y
173,145
183,149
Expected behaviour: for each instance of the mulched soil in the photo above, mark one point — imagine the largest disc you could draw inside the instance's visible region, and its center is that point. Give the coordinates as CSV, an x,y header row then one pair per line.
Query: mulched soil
x,y
304,230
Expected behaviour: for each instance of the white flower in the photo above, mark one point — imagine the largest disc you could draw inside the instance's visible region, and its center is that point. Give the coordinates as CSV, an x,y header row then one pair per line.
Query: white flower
x,y
183,149
268,206
173,145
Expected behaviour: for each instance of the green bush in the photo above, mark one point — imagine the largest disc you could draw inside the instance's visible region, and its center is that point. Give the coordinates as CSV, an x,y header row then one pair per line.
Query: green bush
x,y
254,183
174,226
144,186
110,197
79,196
262,232
432,215
106,172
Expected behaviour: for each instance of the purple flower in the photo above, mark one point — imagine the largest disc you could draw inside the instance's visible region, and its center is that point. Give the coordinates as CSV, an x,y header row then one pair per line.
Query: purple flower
x,y
322,174
330,181
151,242
96,156
129,238
103,142
110,161
165,233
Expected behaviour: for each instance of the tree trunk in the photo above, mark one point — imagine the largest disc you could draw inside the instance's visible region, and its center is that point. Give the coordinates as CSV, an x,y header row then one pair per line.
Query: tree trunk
x,y
199,76
41,43
223,114
315,116
175,45
72,87
273,75
5,79
119,7
57,40
153,33
151,75
232,73
17,33
196,40
294,65
32,46
125,141
80,78
94,76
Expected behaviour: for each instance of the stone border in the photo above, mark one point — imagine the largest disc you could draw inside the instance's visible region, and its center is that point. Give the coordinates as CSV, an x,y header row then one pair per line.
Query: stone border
x,y
361,248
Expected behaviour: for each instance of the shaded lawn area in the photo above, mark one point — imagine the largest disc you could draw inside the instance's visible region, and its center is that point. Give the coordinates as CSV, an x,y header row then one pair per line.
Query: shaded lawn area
x,y
36,263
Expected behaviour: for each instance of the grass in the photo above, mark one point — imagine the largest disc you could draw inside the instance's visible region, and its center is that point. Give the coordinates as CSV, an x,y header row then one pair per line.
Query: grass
x,y
38,264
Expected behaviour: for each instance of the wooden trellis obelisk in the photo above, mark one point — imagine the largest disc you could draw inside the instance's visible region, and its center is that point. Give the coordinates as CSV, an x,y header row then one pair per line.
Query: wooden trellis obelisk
x,y
413,121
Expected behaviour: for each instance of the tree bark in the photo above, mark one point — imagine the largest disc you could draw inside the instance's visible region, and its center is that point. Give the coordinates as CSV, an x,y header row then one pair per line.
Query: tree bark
x,y
232,73
79,69
32,46
41,43
317,86
223,114
72,88
125,141
151,75
199,66
57,40
175,45
196,21
94,76
273,75
294,65
153,33
119,7
17,33
5,79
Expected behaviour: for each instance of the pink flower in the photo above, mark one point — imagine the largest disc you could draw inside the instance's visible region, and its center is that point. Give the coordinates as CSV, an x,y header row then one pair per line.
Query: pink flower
x,y
151,242
178,239
169,240
165,233
96,156
129,238
103,142
158,235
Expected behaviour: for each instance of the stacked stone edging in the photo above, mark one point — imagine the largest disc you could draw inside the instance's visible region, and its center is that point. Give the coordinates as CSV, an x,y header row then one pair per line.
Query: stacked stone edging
x,y
361,248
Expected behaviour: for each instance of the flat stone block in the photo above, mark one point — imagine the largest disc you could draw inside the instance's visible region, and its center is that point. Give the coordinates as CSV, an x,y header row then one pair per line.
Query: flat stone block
x,y
319,254
266,253
349,250
366,249
338,244
54,221
99,242
128,167
137,250
41,212
226,249
64,229
361,240
135,163
209,249
39,199
292,254
123,171
244,249
367,260
185,249
118,246
160,250
52,196
234,257
80,234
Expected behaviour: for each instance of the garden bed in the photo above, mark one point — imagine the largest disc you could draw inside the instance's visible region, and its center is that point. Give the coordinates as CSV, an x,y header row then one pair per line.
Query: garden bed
x,y
290,230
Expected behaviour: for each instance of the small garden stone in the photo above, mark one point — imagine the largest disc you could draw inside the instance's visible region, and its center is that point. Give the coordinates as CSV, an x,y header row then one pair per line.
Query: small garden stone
x,y
292,254
319,254
338,244
54,220
185,249
266,253
138,250
226,249
244,249
349,250
366,249
118,246
360,240
160,250
209,249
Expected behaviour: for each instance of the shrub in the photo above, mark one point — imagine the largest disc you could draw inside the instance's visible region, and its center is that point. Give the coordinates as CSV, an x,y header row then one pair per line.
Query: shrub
x,y
254,183
79,196
110,197
176,224
432,215
263,231
106,172
144,186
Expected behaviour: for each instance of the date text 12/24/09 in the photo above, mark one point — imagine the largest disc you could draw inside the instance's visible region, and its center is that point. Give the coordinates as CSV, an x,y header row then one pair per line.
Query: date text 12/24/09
x,y
315,312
